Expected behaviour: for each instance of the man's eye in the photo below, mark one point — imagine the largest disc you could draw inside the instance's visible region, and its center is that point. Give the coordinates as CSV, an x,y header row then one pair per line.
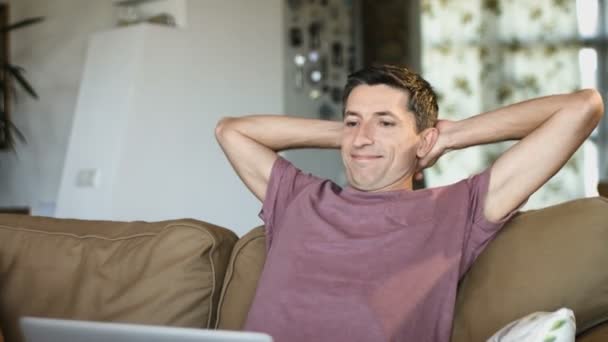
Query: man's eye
x,y
351,123
387,124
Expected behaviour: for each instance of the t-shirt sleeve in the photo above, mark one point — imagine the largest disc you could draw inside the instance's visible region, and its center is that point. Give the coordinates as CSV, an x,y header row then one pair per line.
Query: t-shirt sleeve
x,y
285,182
479,231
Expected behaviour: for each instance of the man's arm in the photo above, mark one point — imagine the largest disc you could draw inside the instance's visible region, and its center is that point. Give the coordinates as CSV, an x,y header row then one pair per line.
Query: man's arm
x,y
251,143
551,129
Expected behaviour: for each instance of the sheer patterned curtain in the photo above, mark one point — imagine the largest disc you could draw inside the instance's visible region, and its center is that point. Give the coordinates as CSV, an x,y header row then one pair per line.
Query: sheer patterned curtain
x,y
483,54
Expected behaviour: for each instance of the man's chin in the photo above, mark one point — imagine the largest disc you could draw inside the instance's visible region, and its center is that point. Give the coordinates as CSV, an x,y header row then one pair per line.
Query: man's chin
x,y
375,187
367,184
364,187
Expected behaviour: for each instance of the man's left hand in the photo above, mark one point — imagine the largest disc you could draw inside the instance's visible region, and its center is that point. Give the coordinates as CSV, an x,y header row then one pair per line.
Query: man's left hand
x,y
440,148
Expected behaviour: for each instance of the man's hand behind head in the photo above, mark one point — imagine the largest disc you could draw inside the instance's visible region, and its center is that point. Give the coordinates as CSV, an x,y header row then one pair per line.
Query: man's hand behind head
x,y
441,146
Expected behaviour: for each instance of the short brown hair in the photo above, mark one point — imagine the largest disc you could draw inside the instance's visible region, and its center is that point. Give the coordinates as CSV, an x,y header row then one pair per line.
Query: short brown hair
x,y
422,102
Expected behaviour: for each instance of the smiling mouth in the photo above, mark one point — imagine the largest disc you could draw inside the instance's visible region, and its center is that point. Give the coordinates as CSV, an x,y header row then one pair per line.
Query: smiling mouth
x,y
359,157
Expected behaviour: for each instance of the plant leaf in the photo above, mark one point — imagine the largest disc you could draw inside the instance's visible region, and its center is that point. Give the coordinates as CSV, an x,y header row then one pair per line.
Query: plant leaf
x,y
17,73
16,132
11,131
22,23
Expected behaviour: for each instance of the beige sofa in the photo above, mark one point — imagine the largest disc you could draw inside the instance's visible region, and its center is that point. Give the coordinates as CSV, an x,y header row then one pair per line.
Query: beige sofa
x,y
193,274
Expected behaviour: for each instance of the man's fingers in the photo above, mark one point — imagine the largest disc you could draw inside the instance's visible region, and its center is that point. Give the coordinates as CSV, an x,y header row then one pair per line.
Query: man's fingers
x,y
422,164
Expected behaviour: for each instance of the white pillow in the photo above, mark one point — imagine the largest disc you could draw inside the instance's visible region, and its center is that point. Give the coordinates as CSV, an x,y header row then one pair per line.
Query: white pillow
x,y
558,326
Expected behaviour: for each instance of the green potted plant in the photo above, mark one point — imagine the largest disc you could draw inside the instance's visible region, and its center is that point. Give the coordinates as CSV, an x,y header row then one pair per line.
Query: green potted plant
x,y
10,75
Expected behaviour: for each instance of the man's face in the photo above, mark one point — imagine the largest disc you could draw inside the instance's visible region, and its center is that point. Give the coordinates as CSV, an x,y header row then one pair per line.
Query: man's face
x,y
379,140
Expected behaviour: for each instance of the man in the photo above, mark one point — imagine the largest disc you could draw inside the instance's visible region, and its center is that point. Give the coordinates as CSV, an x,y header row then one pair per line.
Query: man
x,y
377,261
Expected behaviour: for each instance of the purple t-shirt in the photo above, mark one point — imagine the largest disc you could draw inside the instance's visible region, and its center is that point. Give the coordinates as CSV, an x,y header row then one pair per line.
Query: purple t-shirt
x,y
347,265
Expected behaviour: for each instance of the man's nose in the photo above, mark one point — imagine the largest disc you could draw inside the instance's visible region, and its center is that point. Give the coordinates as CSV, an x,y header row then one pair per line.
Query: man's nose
x,y
363,136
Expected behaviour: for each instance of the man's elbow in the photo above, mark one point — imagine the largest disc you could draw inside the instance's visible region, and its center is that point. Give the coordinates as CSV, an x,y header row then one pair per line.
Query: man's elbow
x,y
224,125
593,104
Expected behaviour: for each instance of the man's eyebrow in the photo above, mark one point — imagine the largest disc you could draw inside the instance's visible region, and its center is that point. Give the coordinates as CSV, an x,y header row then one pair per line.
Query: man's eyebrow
x,y
386,113
383,113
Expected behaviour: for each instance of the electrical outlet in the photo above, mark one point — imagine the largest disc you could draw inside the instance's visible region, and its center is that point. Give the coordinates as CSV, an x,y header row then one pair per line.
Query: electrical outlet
x,y
87,178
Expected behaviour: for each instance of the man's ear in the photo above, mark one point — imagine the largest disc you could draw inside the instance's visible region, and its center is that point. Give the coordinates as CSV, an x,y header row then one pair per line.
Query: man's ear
x,y
428,138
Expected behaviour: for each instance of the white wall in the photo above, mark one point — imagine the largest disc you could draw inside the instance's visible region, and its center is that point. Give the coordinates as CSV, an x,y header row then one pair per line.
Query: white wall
x,y
171,165
159,158
240,37
100,122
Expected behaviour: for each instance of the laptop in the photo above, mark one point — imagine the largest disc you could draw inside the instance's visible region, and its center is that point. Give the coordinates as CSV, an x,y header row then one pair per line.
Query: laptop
x,y
59,330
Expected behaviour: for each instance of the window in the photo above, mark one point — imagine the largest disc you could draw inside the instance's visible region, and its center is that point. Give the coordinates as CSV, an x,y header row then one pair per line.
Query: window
x,y
480,55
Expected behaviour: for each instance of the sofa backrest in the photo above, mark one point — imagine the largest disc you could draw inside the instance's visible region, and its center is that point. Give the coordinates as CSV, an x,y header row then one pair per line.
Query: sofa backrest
x,y
541,261
165,273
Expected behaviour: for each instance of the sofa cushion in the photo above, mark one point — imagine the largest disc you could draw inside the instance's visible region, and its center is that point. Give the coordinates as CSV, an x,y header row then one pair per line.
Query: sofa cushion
x,y
541,261
166,273
241,280
558,326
